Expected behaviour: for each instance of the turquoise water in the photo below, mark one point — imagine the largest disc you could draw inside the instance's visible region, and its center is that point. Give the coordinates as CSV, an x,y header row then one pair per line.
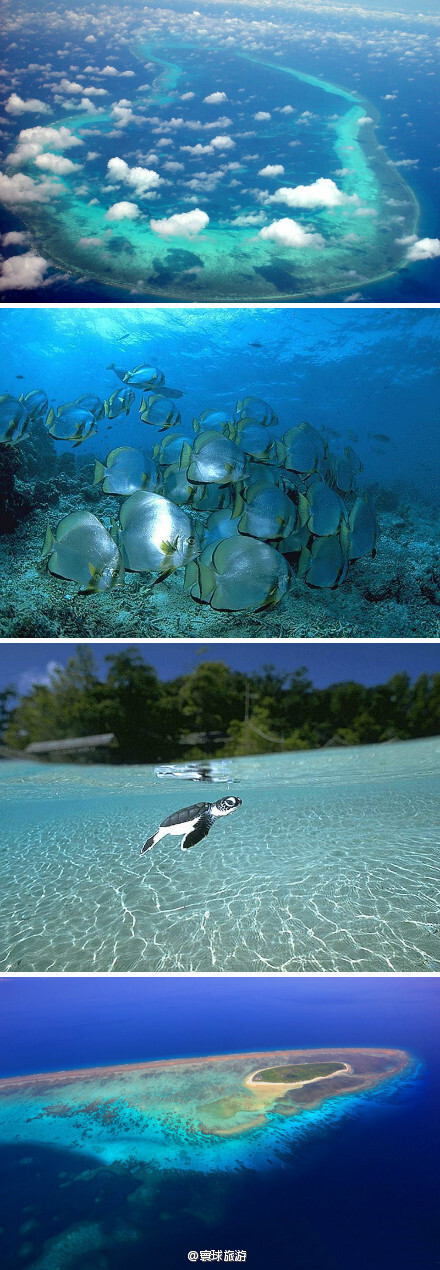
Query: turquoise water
x,y
331,864
154,1114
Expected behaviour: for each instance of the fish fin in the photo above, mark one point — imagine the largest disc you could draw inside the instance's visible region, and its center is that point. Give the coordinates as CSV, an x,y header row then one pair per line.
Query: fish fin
x,y
196,425
115,532
168,547
93,583
304,562
47,544
166,573
220,601
50,418
99,473
238,507
303,509
185,457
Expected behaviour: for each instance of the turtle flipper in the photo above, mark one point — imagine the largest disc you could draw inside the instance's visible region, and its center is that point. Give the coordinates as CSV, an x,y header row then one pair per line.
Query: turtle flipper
x,y
149,844
200,831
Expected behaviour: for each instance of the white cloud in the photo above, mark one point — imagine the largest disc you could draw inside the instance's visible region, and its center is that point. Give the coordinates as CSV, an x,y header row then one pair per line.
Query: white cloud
x,y
365,119
70,86
223,143
109,70
16,238
253,218
31,141
23,189
28,678
22,273
288,233
122,114
198,149
187,96
181,224
143,180
215,98
272,169
403,163
321,193
122,211
172,166
15,105
424,249
56,163
261,114
90,242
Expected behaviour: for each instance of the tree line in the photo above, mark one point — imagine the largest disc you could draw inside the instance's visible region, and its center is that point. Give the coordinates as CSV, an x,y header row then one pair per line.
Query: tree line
x,y
213,711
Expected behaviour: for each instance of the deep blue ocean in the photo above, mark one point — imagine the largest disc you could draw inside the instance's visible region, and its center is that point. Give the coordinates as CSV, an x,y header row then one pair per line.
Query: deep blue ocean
x,y
358,1192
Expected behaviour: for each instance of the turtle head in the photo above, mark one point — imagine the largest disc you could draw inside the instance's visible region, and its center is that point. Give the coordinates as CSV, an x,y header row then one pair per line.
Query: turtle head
x,y
224,806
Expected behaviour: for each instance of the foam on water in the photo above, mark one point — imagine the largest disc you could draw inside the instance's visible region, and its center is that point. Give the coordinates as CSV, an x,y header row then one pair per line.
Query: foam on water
x,y
331,864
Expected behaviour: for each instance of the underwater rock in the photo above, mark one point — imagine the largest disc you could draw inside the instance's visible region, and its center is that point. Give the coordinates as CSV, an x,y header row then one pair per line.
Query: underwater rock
x,y
15,503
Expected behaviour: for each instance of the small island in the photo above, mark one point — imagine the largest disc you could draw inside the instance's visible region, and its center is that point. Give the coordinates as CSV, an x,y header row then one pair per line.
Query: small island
x,y
297,1073
152,1109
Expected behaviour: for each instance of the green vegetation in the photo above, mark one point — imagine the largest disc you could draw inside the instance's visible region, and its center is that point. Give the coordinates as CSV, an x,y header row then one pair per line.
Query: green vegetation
x,y
301,1071
213,711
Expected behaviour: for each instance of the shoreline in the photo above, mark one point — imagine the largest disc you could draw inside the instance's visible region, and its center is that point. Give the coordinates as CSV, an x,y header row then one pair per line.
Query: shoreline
x,y
250,1082
68,1076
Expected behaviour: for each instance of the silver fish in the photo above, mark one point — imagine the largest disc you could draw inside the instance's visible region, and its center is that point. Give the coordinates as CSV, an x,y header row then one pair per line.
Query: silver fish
x,y
125,471
36,403
256,441
363,529
92,403
326,508
305,448
14,419
145,378
174,485
119,402
324,564
83,551
214,460
71,423
156,409
213,420
155,535
238,574
255,408
170,449
220,524
267,513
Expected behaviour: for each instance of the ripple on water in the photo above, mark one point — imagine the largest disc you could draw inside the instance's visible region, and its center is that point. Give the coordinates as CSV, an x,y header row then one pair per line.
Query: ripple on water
x,y
332,864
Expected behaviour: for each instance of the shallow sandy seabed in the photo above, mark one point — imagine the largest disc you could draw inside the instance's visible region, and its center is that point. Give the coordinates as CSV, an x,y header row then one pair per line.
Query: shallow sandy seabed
x,y
331,865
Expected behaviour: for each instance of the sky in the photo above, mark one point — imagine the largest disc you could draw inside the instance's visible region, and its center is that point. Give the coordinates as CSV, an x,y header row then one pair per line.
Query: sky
x,y
23,664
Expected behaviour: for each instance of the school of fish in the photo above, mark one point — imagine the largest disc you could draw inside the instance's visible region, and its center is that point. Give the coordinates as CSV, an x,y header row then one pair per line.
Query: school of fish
x,y
241,509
